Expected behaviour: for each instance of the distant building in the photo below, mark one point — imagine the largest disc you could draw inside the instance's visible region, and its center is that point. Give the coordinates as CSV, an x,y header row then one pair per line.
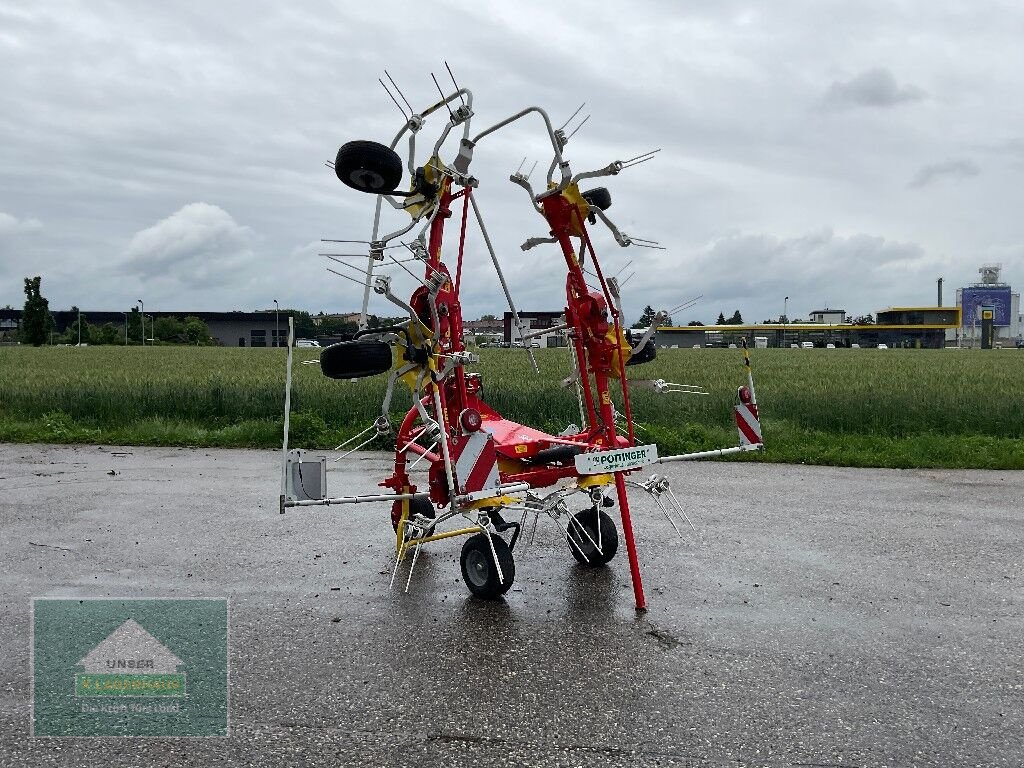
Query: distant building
x,y
828,316
991,293
536,321
896,327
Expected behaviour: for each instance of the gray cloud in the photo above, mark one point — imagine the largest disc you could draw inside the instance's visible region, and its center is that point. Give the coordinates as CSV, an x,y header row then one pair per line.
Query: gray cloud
x,y
872,88
950,169
123,116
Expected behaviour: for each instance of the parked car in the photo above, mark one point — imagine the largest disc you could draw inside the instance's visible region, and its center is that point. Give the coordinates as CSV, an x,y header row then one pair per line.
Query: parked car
x,y
830,346
883,346
807,345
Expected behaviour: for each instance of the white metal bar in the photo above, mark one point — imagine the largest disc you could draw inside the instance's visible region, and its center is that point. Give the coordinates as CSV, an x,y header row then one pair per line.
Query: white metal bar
x,y
711,454
357,499
287,411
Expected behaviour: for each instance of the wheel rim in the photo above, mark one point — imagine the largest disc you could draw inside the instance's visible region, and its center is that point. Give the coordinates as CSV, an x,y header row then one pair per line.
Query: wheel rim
x,y
478,568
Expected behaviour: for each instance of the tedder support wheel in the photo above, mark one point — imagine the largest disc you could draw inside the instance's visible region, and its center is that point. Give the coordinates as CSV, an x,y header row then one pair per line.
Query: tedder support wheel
x,y
582,545
599,197
368,167
416,507
355,359
478,569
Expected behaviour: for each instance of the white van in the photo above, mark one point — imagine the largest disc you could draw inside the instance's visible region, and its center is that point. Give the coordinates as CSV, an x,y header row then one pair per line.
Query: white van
x,y
806,345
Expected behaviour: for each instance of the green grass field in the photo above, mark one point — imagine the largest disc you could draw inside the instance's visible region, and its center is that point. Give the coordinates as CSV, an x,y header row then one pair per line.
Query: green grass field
x,y
895,408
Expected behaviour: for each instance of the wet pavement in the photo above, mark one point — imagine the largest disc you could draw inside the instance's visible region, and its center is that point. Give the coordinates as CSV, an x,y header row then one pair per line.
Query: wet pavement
x,y
817,617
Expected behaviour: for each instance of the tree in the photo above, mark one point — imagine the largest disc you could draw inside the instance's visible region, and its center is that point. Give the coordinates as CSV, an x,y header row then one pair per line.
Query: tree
x,y
168,328
198,332
488,317
721,319
135,326
36,321
864,320
72,334
646,319
107,333
736,319
695,323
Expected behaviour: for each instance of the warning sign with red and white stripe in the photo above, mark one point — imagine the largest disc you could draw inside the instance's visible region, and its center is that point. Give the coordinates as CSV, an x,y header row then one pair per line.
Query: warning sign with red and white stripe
x,y
748,424
476,462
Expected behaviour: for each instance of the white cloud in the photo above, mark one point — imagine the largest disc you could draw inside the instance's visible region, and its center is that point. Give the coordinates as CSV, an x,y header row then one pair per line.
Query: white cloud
x,y
199,246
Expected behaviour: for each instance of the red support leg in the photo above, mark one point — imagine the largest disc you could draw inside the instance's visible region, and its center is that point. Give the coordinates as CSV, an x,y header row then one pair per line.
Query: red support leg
x,y
627,531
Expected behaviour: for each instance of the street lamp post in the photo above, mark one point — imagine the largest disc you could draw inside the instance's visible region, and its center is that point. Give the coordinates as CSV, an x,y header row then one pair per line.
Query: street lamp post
x,y
785,318
142,318
277,309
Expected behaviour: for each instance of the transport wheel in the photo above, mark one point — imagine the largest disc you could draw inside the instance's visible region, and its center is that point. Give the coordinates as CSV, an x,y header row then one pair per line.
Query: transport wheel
x,y
355,359
599,197
416,507
368,167
478,569
580,545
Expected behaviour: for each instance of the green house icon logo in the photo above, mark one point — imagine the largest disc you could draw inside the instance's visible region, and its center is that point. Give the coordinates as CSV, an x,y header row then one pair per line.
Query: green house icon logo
x,y
130,662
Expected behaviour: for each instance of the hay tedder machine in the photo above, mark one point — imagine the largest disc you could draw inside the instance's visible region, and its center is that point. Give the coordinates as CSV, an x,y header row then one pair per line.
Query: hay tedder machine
x,y
460,467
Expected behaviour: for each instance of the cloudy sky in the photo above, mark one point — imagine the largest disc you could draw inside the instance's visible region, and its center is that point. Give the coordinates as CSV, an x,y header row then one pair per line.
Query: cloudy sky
x,y
842,154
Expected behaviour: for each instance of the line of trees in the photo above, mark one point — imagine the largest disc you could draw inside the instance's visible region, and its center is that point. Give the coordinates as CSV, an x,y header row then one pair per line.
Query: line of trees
x,y
37,326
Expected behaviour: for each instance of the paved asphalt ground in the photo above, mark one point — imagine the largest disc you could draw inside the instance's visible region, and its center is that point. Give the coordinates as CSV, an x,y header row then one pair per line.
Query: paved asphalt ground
x,y
818,617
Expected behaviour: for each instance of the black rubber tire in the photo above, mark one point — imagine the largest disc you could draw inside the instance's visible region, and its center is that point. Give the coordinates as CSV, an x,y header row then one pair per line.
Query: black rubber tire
x,y
416,507
609,538
478,569
599,197
367,166
644,354
355,359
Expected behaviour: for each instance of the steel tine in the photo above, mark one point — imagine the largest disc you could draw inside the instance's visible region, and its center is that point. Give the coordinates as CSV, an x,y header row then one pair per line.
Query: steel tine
x,y
443,97
457,89
580,107
583,530
404,116
398,558
577,128
565,532
679,507
664,511
641,158
339,274
355,437
412,566
411,110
